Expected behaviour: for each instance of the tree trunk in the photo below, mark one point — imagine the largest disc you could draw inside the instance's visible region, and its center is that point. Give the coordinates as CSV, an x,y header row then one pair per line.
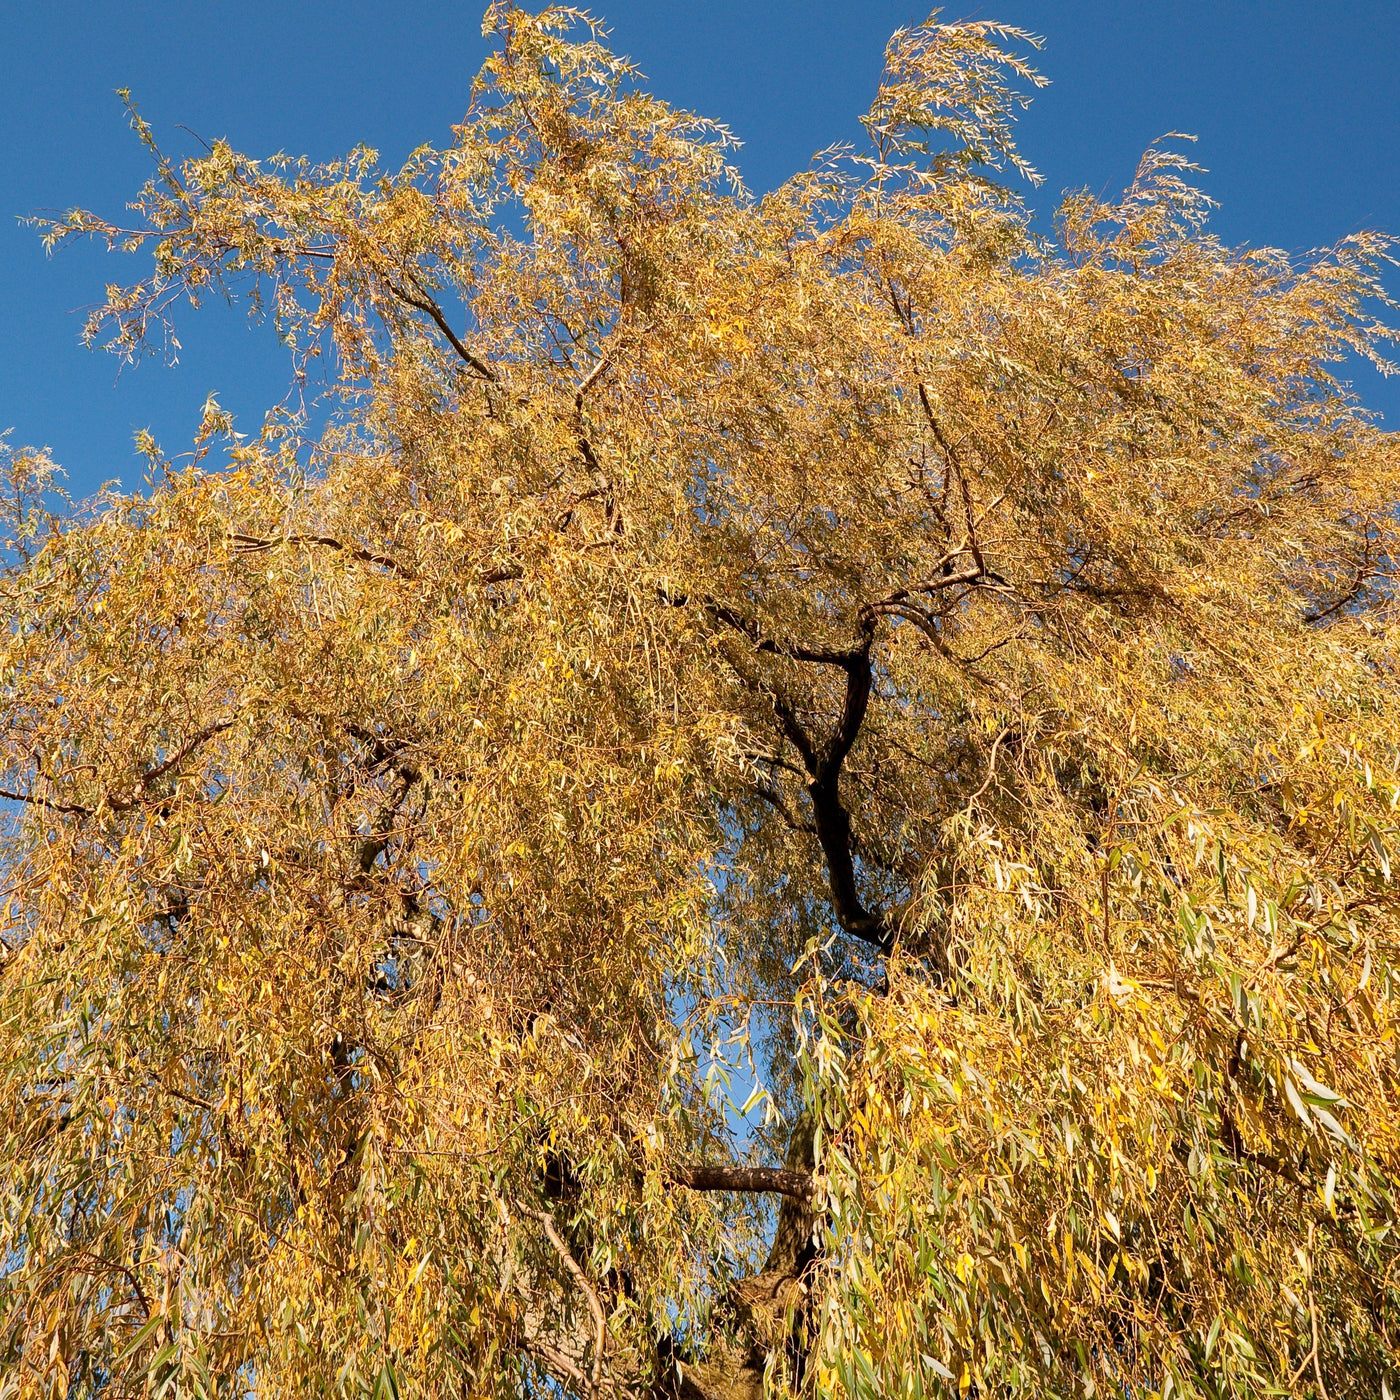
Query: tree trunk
x,y
769,1308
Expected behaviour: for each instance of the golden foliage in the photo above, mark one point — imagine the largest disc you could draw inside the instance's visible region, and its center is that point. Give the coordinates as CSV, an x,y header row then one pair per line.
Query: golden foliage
x,y
954,668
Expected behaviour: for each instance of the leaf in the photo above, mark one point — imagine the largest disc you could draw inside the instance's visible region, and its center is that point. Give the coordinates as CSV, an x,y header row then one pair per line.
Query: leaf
x,y
1213,1335
1295,1102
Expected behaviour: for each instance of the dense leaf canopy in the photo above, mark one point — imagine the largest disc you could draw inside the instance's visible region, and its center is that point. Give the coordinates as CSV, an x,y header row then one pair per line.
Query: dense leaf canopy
x,y
793,791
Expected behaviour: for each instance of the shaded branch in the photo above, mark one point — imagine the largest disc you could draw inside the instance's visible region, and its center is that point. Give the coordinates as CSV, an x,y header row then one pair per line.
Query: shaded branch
x,y
74,809
775,800
832,823
124,802
955,466
798,651
504,574
252,544
255,544
385,752
1364,574
200,736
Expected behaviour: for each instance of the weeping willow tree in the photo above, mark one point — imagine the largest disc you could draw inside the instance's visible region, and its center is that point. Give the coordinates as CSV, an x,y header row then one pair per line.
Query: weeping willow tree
x,y
793,793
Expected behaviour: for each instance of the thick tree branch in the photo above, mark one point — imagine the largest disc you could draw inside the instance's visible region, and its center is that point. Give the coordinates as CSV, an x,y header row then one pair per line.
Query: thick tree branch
x,y
799,1185
505,573
385,752
798,651
823,763
792,727
372,846
833,822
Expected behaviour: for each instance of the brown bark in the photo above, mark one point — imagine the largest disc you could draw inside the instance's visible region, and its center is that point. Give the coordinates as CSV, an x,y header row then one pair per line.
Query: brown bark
x,y
769,1307
797,1184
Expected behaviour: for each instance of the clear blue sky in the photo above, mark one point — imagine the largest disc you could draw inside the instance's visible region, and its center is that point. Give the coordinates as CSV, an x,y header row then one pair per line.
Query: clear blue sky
x,y
1296,103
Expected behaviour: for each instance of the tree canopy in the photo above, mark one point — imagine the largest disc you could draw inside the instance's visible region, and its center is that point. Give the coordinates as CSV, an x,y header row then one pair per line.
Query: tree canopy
x,y
792,791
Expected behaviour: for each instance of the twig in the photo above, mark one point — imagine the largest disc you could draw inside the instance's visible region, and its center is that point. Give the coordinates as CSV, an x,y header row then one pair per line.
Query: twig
x,y
991,769
1312,1316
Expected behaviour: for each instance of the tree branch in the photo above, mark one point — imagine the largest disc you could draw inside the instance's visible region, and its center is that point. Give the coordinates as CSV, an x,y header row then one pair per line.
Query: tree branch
x,y
798,1185
833,822
504,574
423,302
252,544
73,809
1364,574
199,737
124,802
595,1307
798,651
955,466
775,800
823,765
